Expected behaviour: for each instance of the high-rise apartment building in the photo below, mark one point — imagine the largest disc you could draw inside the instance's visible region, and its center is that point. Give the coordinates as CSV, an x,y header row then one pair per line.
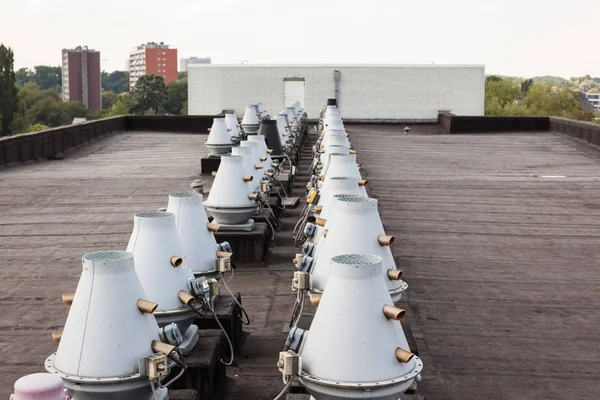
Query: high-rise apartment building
x,y
594,98
184,62
153,58
81,79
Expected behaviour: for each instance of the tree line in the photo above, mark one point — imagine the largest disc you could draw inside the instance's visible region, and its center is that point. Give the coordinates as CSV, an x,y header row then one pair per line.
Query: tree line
x,y
31,99
506,96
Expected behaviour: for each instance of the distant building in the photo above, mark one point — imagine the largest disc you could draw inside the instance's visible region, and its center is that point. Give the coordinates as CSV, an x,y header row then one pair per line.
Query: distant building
x,y
184,62
153,58
81,77
594,98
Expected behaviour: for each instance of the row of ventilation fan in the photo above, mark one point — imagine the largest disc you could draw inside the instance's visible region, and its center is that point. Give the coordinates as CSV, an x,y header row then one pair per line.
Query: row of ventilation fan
x,y
355,346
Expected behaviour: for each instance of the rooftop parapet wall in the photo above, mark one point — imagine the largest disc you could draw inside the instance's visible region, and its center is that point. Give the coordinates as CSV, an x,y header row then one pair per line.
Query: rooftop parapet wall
x,y
587,131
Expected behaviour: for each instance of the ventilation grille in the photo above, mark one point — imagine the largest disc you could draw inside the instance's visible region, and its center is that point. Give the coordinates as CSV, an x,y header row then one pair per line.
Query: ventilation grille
x,y
185,195
108,256
356,259
154,214
354,198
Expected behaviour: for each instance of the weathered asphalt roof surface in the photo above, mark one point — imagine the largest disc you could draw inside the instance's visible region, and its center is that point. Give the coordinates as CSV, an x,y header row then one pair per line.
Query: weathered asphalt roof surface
x,y
500,254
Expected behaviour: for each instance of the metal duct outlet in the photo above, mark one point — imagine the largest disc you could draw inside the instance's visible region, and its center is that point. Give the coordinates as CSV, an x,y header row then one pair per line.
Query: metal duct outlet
x,y
197,241
354,225
219,140
351,349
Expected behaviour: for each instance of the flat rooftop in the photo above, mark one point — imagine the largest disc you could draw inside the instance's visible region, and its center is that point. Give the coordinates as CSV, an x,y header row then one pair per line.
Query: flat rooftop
x,y
498,235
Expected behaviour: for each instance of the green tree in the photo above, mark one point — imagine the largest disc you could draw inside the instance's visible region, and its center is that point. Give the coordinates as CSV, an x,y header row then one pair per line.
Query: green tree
x,y
184,108
545,100
109,98
149,94
48,77
75,109
499,93
177,93
8,90
119,108
116,82
49,112
23,76
526,85
182,75
37,128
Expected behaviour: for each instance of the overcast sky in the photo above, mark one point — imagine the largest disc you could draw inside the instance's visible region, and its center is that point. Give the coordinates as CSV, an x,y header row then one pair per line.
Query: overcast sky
x,y
510,37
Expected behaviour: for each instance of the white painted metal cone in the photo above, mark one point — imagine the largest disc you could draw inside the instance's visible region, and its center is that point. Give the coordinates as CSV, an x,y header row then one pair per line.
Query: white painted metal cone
x,y
262,148
198,243
105,333
350,349
250,121
232,123
329,150
255,146
353,225
341,165
283,131
154,241
337,185
248,155
336,140
228,201
219,138
40,386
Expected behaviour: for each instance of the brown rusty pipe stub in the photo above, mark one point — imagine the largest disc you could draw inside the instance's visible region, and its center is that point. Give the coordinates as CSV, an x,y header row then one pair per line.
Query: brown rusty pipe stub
x,y
146,306
320,221
403,356
67,298
213,227
315,299
363,182
214,173
185,297
56,336
325,232
318,209
160,347
176,261
321,178
394,313
263,158
270,151
253,196
386,240
394,274
248,178
258,166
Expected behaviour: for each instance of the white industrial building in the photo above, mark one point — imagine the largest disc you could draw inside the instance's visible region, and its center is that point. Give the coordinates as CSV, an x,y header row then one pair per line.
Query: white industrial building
x,y
364,92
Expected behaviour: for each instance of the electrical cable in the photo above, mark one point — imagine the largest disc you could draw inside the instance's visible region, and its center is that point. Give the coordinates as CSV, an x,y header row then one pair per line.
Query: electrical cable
x,y
212,308
154,396
284,390
164,385
236,301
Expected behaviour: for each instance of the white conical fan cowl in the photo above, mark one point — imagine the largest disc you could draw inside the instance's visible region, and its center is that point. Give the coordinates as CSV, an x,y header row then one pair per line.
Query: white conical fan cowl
x,y
329,134
282,128
329,150
341,165
351,341
105,333
247,153
219,139
250,120
228,201
256,157
198,243
262,149
354,225
154,241
336,140
338,185
232,124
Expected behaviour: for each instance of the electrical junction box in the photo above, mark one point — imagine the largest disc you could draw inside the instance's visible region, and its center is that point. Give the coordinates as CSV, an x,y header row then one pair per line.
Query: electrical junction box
x,y
224,264
302,280
289,363
156,366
